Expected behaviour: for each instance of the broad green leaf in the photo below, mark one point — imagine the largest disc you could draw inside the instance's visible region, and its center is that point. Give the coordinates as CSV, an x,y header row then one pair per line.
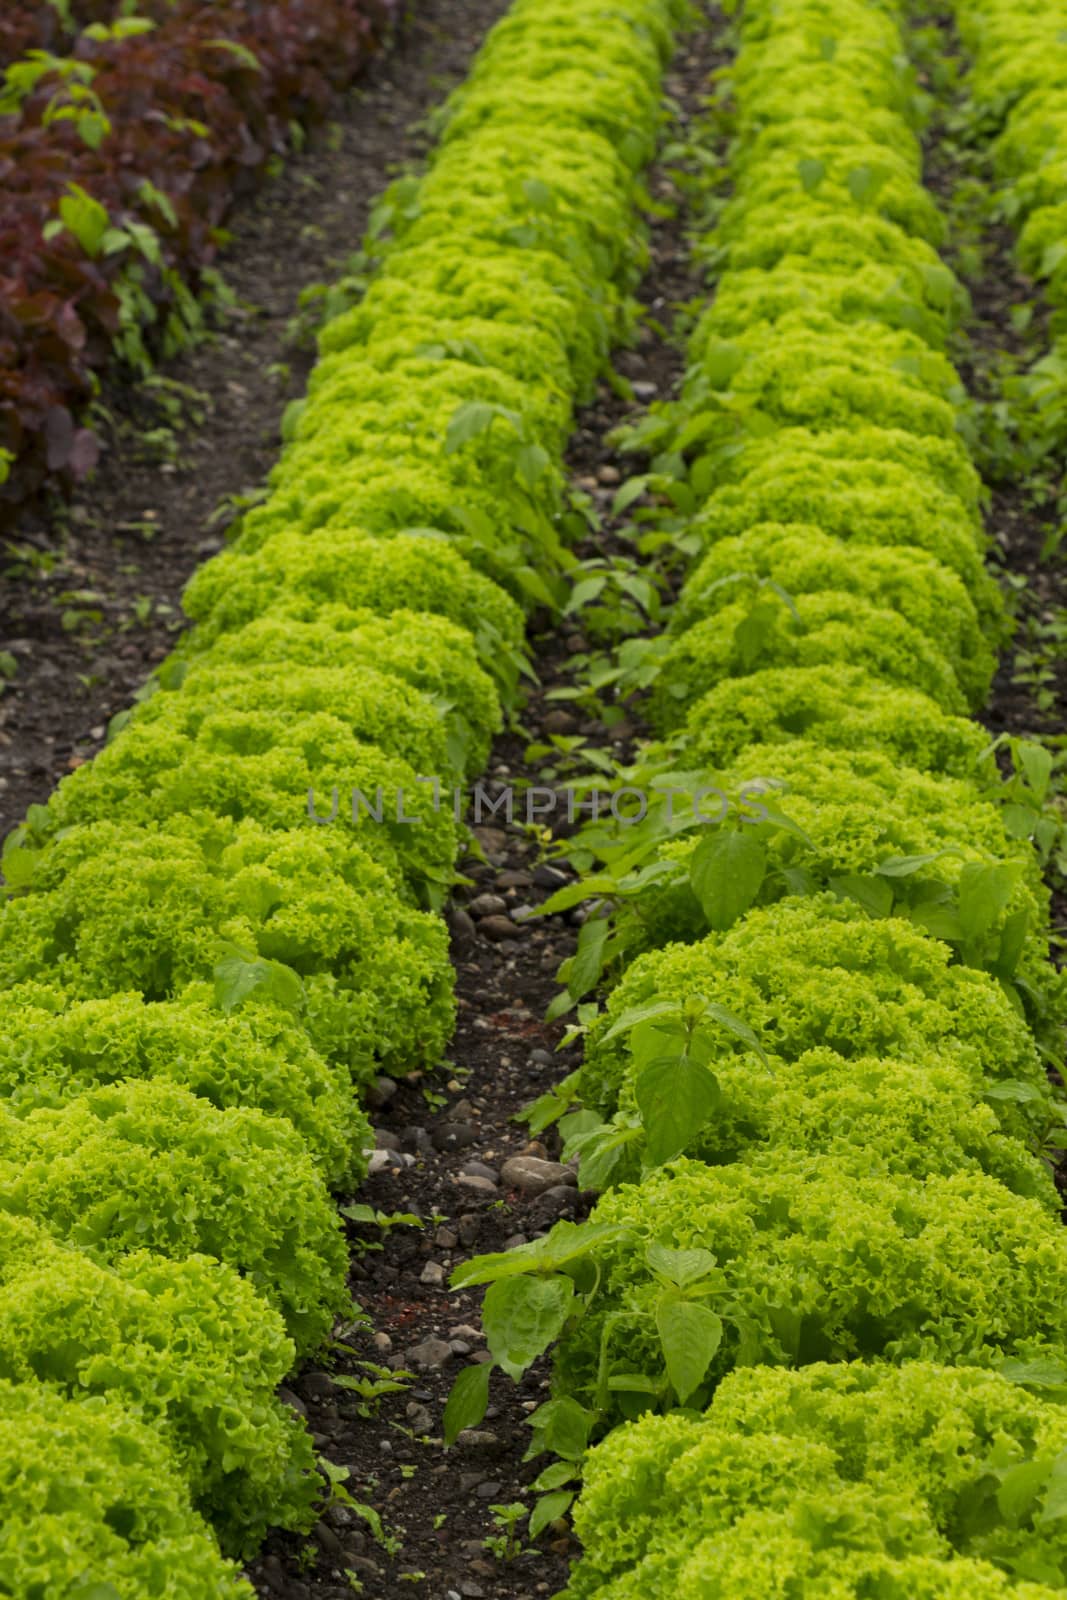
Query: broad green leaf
x,y
984,892
690,1334
682,1267
675,1097
865,182
587,963
905,866
563,1427
874,894
567,1242
1043,1372
1036,762
522,1316
635,1014
1019,1488
85,218
1054,1506
239,974
811,172
726,872
548,1509
555,1476
469,422
468,1400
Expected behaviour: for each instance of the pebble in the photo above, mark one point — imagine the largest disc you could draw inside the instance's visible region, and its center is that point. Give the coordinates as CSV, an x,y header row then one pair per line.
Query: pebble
x,y
382,1342
453,1135
534,1176
389,1159
468,1180
318,1385
560,1198
459,1347
543,1058
446,1238
643,390
463,1330
386,1139
489,1490
559,721
488,905
417,1138
609,474
430,1353
546,877
478,1169
287,1397
380,1092
515,1241
477,1439
433,1274
419,1417
462,925
514,879
470,1225
499,928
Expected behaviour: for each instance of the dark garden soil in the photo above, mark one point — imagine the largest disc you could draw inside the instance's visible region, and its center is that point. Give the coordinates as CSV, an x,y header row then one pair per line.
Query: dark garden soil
x,y
89,591
448,1163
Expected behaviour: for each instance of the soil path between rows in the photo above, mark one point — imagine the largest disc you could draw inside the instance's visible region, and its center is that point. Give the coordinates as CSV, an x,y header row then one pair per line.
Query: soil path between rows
x,y
446,1162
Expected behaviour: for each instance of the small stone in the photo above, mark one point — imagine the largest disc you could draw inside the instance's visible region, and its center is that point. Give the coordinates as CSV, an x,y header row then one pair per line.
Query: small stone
x,y
463,1330
433,1274
546,877
288,1398
543,1058
459,1347
453,1135
643,390
419,1418
499,928
318,1385
380,1092
446,1238
462,925
415,1138
516,1241
469,1481
533,1176
480,1357
576,644
559,721
470,1224
329,1541
477,1439
382,1342
558,1200
609,474
514,880
429,1354
386,1139
480,1185
383,1160
489,1490
478,1169
488,905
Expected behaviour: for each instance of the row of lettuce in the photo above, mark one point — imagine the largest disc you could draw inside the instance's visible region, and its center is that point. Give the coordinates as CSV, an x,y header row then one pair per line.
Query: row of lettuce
x,y
120,160
197,977
817,1099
